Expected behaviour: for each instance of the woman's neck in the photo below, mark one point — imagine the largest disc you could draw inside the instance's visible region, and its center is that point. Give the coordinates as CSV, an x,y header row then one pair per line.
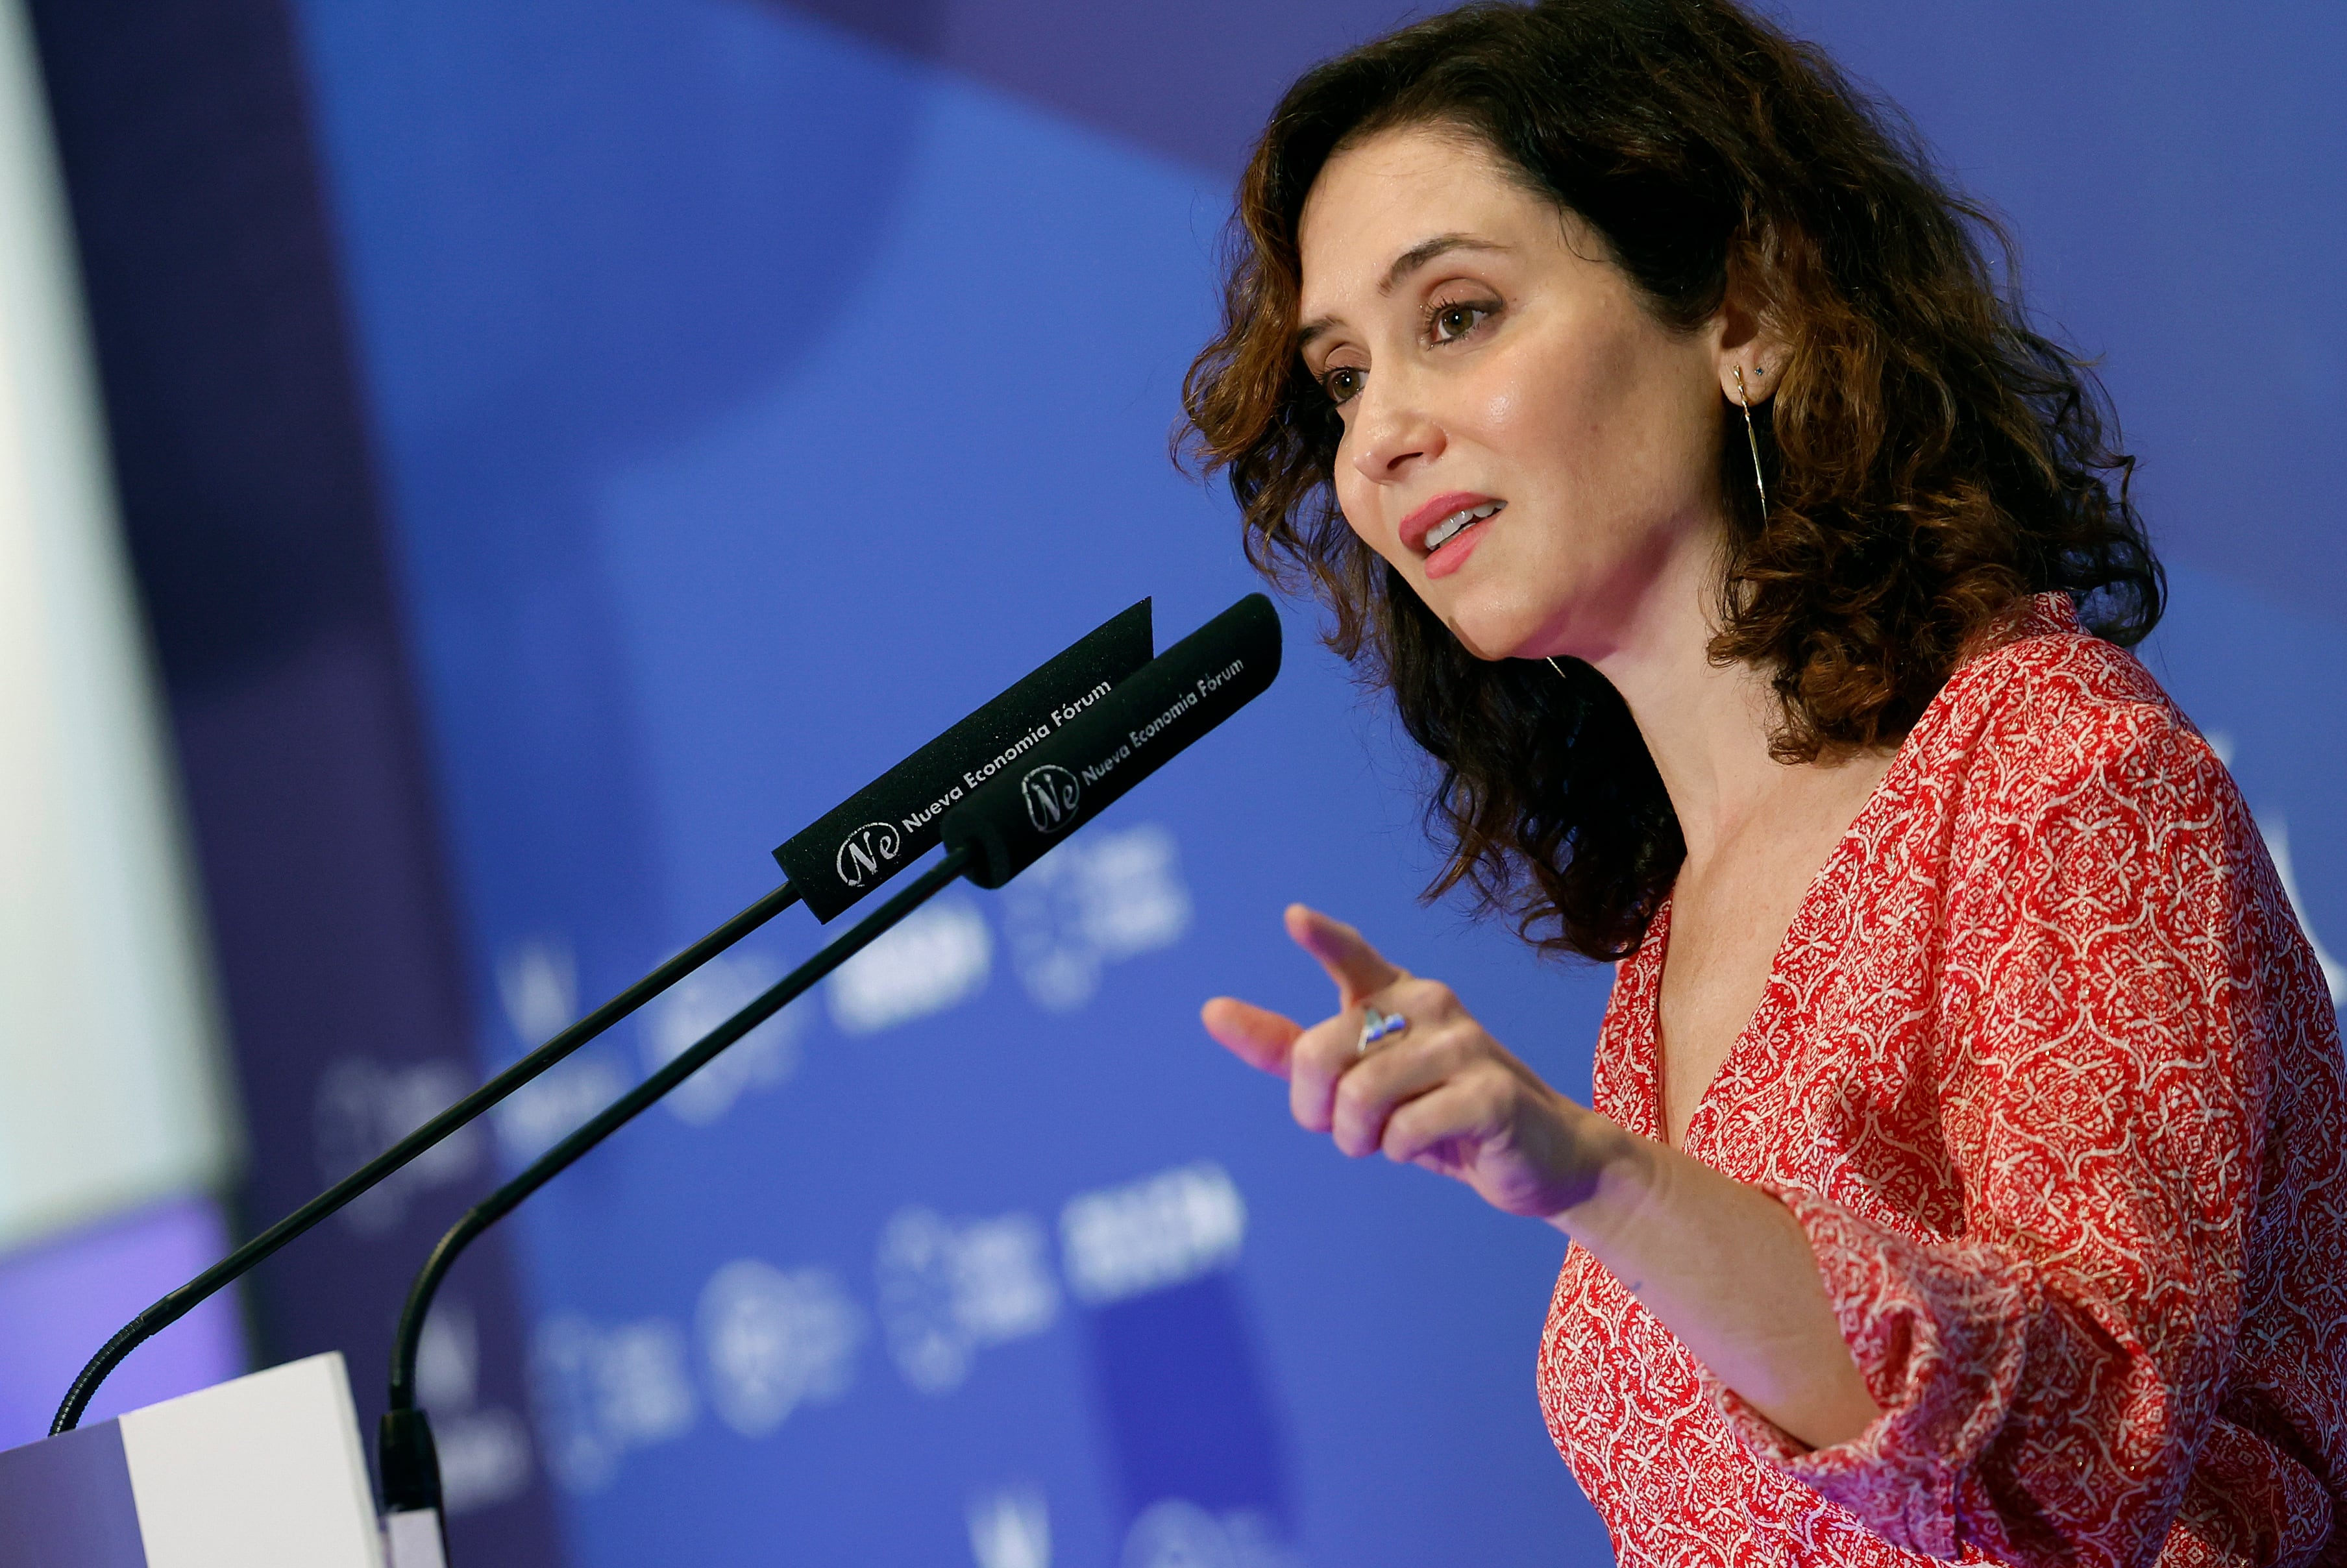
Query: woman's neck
x,y
1707,725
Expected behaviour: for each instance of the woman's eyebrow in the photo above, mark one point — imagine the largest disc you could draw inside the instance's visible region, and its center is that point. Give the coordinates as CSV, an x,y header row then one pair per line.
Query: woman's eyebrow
x,y
1409,262
1425,251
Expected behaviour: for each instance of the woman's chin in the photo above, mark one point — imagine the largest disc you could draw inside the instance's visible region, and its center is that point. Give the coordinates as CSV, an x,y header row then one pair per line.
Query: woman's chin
x,y
1493,624
1492,642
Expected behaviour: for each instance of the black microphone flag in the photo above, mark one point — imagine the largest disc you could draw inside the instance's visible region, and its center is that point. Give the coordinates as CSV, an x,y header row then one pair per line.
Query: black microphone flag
x,y
1066,781
898,817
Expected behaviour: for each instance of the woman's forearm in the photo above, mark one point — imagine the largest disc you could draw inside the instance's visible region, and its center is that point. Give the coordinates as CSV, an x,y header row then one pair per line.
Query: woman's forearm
x,y
1726,1268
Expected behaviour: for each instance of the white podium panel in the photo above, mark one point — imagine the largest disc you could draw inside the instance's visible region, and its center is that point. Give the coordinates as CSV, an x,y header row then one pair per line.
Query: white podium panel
x,y
412,1541
263,1472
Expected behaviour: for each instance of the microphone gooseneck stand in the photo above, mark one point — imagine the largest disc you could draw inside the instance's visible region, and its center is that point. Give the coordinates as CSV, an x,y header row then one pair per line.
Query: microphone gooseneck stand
x,y
1006,824
177,1305
818,875
409,1466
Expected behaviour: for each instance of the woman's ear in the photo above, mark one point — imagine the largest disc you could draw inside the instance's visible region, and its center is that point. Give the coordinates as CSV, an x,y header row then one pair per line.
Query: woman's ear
x,y
1749,345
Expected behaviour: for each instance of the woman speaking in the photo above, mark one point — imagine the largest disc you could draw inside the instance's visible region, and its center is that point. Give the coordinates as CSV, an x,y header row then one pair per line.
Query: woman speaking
x,y
1967,1173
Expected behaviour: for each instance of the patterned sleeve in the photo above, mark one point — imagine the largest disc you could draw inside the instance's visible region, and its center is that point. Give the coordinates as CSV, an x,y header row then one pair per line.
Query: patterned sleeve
x,y
2115,946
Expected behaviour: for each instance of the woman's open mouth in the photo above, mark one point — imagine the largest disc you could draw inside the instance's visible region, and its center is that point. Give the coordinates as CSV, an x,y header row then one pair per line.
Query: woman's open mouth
x,y
1456,533
1457,523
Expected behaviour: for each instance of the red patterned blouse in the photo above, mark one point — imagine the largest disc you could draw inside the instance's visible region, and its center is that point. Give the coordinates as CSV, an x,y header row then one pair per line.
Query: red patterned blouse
x,y
2048,1073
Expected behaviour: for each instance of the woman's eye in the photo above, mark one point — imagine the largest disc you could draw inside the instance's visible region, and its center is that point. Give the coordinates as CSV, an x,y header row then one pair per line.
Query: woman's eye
x,y
1453,321
1341,383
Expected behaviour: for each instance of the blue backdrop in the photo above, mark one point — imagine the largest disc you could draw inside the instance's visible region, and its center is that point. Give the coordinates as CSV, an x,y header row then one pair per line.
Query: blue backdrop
x,y
752,393
742,431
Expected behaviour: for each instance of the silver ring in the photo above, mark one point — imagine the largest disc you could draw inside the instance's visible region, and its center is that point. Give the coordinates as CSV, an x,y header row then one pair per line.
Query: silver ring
x,y
1377,1026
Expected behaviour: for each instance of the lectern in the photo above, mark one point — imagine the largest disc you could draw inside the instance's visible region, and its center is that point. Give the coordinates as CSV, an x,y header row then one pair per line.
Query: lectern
x,y
263,1472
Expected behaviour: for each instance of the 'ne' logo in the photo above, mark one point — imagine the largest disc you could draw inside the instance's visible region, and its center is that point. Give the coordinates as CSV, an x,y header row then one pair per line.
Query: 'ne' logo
x,y
866,851
1050,793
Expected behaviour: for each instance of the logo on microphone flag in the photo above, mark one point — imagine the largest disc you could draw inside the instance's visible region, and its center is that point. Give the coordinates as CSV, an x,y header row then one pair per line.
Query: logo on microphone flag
x,y
866,851
832,862
1050,793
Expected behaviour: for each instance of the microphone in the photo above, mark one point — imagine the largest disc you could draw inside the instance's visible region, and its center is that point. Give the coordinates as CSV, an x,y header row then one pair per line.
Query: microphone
x,y
1072,777
1059,783
890,823
896,819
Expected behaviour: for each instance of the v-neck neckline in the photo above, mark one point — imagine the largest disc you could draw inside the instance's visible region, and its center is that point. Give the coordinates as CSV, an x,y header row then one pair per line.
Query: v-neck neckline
x,y
1798,951
1796,945
2045,616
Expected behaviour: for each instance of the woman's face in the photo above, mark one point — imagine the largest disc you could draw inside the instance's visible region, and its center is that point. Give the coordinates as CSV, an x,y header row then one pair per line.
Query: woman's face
x,y
1533,451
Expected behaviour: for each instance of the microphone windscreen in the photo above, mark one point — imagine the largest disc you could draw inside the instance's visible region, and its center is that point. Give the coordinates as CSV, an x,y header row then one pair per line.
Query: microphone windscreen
x,y
1069,779
896,818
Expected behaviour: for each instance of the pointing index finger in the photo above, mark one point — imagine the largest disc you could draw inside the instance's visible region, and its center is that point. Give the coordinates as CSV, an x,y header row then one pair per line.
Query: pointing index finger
x,y
1358,969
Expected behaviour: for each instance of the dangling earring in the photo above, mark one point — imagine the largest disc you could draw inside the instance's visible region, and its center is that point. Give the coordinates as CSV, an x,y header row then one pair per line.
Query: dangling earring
x,y
1752,436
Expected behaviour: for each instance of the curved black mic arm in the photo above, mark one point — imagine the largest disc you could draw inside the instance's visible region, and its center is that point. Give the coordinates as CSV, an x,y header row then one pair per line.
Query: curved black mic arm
x,y
177,1305
410,1473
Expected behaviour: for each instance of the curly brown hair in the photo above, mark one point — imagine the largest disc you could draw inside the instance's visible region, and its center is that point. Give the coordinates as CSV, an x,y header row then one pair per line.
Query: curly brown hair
x,y
1932,459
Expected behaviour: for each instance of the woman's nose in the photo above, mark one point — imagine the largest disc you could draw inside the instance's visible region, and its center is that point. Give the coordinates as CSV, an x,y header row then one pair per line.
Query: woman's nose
x,y
1392,437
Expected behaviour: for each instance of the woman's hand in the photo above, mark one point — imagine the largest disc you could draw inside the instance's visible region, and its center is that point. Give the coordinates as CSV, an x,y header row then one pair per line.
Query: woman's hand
x,y
1724,1265
1441,1094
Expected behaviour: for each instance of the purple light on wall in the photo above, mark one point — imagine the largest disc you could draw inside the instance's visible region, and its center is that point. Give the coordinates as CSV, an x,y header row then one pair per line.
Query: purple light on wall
x,y
60,1300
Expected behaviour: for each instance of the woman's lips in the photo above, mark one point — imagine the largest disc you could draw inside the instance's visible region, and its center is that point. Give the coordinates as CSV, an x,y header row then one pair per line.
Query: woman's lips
x,y
1453,552
1447,528
1432,514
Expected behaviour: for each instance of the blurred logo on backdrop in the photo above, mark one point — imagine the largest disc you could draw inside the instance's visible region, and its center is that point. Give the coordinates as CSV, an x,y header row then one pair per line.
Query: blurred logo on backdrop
x,y
764,1059
949,1288
606,1389
864,852
364,1107
537,984
939,957
772,1341
1091,902
1151,1234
